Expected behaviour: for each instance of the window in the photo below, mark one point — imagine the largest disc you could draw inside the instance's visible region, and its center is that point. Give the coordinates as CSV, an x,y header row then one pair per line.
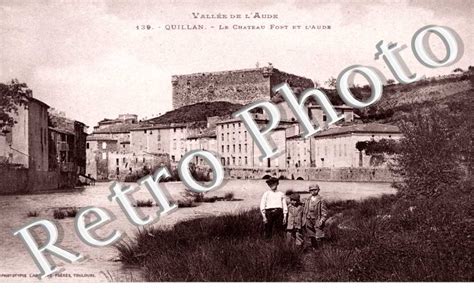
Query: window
x,y
174,129
324,118
228,161
345,150
246,160
123,160
233,148
228,136
233,160
104,156
173,158
222,148
245,147
240,160
335,150
117,161
104,145
340,150
144,131
245,135
240,148
151,131
222,136
87,145
228,149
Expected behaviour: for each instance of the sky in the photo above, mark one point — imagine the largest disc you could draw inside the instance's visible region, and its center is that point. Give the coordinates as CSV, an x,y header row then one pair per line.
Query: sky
x,y
87,58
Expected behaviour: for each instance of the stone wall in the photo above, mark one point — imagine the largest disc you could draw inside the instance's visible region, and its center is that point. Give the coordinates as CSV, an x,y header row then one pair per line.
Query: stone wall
x,y
318,174
23,180
236,86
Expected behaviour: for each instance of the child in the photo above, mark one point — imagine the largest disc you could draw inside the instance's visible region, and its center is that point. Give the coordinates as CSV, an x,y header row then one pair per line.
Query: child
x,y
273,208
295,220
315,216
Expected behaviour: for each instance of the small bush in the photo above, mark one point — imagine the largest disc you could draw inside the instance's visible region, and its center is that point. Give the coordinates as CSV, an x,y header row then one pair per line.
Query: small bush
x,y
71,212
33,213
62,213
193,196
229,196
59,214
186,203
144,203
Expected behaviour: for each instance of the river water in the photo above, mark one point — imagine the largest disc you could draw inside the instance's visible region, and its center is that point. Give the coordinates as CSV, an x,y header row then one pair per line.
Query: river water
x,y
100,264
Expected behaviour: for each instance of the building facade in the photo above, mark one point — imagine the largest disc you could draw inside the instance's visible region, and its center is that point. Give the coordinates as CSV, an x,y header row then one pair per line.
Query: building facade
x,y
336,147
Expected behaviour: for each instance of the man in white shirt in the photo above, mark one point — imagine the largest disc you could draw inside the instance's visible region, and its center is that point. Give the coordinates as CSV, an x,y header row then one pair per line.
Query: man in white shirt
x,y
273,208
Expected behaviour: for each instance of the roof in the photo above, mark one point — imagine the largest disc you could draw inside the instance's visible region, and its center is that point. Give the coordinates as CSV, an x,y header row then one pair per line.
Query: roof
x,y
115,128
359,128
94,137
32,99
208,133
59,130
257,120
148,126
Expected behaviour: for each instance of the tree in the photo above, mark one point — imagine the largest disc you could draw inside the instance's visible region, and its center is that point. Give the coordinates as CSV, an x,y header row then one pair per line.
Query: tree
x,y
12,95
458,70
390,81
361,146
429,158
331,82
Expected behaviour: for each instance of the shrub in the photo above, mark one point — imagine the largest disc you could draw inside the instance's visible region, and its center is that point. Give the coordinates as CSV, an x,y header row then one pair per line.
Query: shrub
x,y
144,203
59,214
33,213
193,196
430,158
229,196
62,213
186,203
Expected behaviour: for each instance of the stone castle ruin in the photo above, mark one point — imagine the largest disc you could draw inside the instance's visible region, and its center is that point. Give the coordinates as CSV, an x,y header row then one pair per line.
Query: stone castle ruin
x,y
235,86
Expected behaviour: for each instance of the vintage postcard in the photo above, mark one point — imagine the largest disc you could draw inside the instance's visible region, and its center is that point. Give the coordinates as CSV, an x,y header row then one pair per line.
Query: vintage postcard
x,y
226,141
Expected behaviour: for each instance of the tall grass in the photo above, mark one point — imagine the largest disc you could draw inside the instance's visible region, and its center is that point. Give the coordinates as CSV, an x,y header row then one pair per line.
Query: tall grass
x,y
223,248
389,238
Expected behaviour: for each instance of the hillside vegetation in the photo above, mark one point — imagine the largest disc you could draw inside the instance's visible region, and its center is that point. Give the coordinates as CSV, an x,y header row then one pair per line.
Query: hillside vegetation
x,y
196,113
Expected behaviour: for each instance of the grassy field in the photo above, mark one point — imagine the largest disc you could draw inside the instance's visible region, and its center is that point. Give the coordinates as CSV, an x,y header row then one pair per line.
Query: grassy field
x,y
389,238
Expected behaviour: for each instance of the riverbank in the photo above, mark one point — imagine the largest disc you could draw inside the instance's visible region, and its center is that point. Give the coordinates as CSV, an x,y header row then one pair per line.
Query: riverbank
x,y
102,262
389,238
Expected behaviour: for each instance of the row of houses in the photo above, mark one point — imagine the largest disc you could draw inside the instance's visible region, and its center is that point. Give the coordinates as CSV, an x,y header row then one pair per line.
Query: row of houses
x,y
127,149
43,150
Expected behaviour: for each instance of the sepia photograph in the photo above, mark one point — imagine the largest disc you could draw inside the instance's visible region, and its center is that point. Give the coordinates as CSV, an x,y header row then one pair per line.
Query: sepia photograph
x,y
236,141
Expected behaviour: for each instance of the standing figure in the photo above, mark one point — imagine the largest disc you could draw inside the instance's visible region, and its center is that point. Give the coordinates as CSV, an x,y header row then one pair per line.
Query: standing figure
x,y
294,224
315,215
273,208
